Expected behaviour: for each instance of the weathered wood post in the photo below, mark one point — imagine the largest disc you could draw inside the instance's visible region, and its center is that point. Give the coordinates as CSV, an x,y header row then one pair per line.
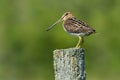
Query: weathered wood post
x,y
69,64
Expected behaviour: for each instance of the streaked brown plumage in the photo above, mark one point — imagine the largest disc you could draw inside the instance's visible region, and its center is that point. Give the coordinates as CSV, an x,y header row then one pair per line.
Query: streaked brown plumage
x,y
74,27
77,27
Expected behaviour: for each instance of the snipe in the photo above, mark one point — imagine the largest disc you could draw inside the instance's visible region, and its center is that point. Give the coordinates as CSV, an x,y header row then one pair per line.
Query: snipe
x,y
74,27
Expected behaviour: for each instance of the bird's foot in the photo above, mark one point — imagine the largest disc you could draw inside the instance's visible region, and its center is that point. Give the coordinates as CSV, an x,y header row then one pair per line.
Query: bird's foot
x,y
78,46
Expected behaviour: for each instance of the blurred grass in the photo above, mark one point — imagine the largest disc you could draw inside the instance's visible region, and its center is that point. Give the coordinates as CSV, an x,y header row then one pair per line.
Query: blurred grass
x,y
26,48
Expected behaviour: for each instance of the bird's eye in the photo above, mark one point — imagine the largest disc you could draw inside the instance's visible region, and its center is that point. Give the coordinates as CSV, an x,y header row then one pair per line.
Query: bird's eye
x,y
66,14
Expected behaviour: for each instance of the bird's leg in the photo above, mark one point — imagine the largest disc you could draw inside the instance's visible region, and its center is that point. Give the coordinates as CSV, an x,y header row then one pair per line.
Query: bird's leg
x,y
79,42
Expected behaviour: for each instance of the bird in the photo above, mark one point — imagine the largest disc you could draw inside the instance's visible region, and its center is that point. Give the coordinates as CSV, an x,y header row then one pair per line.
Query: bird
x,y
74,27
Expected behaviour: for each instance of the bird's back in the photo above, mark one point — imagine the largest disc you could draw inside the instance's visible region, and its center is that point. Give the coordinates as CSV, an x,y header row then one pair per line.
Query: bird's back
x,y
77,27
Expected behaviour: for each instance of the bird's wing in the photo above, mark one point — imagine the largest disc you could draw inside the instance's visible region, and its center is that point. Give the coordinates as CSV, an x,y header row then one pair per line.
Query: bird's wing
x,y
76,26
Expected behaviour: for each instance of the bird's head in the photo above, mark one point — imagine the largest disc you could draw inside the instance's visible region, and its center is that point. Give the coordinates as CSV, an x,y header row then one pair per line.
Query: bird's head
x,y
64,17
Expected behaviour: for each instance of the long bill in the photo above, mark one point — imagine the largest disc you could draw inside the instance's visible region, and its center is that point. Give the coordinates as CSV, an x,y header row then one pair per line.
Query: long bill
x,y
54,24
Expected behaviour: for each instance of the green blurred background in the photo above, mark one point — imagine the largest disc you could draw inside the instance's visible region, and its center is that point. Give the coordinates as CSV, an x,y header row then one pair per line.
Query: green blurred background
x,y
26,48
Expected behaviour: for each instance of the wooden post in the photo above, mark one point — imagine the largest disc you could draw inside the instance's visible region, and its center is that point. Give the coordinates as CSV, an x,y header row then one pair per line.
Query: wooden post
x,y
69,64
